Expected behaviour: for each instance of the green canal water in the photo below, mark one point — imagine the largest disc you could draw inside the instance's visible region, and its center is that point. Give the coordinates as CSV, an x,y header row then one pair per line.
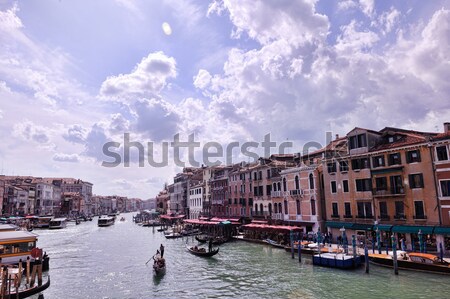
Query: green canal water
x,y
109,262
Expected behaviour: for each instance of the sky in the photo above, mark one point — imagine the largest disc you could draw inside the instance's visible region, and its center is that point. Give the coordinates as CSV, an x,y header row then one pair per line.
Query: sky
x,y
76,76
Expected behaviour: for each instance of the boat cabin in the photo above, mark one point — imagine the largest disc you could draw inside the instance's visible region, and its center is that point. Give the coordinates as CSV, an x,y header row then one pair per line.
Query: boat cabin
x,y
105,221
43,222
16,245
57,223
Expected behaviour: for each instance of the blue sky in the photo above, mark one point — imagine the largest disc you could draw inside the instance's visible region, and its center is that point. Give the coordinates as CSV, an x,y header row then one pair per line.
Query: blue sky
x,y
77,74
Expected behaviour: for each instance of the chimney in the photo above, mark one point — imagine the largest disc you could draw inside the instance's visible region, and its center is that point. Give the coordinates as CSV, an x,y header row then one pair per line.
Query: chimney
x,y
446,127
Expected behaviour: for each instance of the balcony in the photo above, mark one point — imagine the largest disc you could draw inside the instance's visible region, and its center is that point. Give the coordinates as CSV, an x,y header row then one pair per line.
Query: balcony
x,y
389,193
276,194
277,216
297,192
286,217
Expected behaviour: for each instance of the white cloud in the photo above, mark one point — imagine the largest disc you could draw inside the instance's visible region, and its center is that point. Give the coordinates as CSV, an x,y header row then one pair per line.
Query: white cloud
x,y
346,5
1,114
147,79
355,42
296,21
156,119
75,134
29,131
388,20
60,157
203,79
367,7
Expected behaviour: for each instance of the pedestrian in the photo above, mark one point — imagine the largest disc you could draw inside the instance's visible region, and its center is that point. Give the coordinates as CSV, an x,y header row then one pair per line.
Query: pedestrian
x,y
161,248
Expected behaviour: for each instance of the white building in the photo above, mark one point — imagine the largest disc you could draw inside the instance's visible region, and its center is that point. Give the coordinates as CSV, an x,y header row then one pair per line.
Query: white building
x,y
195,202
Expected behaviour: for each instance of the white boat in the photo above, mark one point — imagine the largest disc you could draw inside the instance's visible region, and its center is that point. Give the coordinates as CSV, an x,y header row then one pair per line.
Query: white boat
x,y
57,223
43,222
105,221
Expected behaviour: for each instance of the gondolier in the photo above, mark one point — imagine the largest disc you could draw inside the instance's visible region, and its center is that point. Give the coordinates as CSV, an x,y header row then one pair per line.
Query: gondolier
x,y
161,249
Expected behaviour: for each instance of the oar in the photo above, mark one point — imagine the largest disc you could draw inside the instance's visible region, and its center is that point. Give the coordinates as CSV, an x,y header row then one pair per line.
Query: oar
x,y
150,259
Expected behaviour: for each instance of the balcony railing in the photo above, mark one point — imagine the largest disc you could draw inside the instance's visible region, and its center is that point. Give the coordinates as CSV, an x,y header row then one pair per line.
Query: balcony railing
x,y
276,194
391,192
296,192
277,216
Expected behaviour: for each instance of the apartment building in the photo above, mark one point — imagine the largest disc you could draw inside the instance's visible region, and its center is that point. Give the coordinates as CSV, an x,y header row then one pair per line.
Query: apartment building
x,y
385,183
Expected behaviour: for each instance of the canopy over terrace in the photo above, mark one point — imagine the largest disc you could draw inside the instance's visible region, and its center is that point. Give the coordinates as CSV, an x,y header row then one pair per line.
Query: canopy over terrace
x,y
213,221
170,218
267,227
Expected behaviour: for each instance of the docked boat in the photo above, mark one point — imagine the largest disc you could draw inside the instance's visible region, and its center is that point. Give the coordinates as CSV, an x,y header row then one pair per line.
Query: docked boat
x,y
337,260
274,243
18,245
57,223
43,222
105,221
202,251
412,261
151,223
172,235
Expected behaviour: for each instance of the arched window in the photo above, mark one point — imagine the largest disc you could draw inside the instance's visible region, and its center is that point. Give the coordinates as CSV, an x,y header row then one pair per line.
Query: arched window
x,y
311,181
270,209
285,207
280,210
313,206
261,208
274,187
276,208
284,184
256,208
298,207
279,186
297,183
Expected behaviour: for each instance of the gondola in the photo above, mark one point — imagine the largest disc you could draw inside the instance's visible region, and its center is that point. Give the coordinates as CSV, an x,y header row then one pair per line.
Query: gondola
x,y
203,253
28,292
159,269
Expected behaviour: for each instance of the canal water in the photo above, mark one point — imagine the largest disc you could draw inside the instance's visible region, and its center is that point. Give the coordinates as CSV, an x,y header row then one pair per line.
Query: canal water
x,y
109,262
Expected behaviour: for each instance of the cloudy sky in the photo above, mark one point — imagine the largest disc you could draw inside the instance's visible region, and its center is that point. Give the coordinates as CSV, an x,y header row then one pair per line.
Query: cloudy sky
x,y
75,75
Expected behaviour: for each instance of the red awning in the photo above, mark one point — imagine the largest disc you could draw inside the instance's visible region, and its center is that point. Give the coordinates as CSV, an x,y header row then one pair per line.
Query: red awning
x,y
260,221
